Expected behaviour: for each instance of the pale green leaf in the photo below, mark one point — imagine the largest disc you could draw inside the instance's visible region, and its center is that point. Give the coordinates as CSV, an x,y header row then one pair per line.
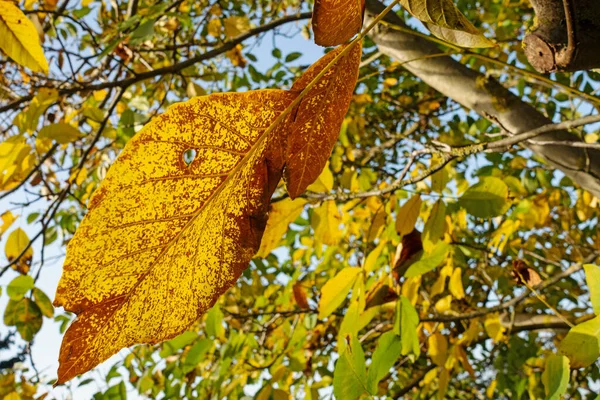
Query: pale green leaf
x,y
428,262
350,375
405,326
62,132
17,288
556,376
384,357
582,343
592,276
179,342
486,199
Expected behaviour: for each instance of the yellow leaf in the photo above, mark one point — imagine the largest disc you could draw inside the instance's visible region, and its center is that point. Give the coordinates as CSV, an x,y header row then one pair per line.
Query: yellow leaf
x,y
214,27
444,304
281,215
440,284
455,286
437,348
324,182
435,226
494,327
389,82
410,288
165,236
27,121
16,243
7,220
78,176
371,260
15,162
408,215
471,334
489,392
326,222
19,38
61,132
443,383
235,26
334,292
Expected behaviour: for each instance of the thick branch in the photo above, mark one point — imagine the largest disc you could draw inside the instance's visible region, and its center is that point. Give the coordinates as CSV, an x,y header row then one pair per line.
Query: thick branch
x,y
487,97
566,37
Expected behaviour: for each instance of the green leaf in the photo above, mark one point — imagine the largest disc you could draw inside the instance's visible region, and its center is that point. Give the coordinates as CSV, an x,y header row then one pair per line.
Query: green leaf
x,y
385,355
174,345
556,376
143,32
17,288
43,302
486,199
196,353
405,326
446,21
335,291
25,315
214,322
582,343
61,132
293,56
428,262
350,375
592,276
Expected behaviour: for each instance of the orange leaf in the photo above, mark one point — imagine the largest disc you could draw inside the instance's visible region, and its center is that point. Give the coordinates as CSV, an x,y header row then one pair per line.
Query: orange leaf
x,y
175,222
319,117
336,21
300,296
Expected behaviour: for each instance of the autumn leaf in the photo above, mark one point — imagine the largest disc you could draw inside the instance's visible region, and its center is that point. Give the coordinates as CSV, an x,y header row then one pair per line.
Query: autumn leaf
x,y
326,221
62,132
446,21
163,238
524,275
7,218
334,22
408,252
281,215
334,292
19,38
18,250
300,296
407,215
319,117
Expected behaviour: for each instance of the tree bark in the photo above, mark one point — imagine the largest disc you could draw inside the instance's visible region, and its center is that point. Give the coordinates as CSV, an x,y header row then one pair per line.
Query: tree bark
x,y
566,36
486,97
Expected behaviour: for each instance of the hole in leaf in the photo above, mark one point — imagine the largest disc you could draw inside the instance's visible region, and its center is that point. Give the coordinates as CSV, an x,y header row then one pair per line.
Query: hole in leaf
x,y
189,156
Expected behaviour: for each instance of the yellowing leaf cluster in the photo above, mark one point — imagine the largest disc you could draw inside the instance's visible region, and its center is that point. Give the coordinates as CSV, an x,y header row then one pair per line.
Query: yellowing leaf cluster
x,y
19,38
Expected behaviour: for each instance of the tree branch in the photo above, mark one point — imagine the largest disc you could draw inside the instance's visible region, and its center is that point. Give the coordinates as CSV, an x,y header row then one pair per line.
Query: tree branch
x,y
124,83
487,97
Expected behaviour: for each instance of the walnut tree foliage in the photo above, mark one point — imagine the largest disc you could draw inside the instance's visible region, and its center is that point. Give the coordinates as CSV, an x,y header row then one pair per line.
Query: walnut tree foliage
x,y
376,224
